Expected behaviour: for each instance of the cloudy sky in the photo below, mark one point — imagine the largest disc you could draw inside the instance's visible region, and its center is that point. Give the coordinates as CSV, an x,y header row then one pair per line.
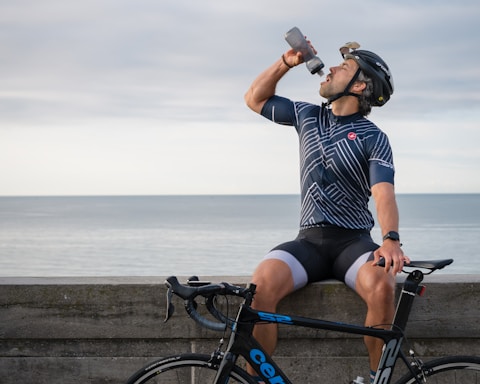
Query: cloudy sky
x,y
121,97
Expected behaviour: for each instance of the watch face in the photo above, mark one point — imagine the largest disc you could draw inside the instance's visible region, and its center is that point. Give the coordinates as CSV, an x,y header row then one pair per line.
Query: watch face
x,y
392,235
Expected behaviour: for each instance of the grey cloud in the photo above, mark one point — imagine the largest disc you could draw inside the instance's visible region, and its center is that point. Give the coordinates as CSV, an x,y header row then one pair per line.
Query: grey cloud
x,y
146,57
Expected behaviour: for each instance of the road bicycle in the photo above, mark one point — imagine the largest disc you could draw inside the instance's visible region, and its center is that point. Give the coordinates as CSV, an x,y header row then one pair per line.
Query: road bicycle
x,y
223,366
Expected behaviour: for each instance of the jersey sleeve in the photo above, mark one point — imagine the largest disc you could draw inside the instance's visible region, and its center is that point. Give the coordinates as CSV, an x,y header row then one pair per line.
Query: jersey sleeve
x,y
280,110
381,161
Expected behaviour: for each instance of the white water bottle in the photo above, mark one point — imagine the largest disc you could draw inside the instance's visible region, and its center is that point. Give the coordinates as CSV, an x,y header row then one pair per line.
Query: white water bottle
x,y
297,41
358,380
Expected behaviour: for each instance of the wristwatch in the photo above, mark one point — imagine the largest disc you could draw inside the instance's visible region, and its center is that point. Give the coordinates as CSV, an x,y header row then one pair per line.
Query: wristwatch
x,y
392,235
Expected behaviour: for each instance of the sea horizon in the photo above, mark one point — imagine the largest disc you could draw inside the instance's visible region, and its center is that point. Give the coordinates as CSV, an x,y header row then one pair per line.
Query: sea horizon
x,y
144,235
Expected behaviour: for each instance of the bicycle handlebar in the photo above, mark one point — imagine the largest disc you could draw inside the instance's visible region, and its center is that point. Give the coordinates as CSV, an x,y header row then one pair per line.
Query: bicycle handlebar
x,y
209,291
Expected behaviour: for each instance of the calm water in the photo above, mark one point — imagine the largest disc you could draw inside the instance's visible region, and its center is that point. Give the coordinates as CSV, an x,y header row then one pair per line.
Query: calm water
x,y
204,235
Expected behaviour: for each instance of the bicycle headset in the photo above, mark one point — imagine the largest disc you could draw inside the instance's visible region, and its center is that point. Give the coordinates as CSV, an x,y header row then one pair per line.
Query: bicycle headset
x,y
374,67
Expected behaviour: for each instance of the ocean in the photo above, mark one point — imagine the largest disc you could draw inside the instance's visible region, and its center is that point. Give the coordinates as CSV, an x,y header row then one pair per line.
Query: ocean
x,y
202,235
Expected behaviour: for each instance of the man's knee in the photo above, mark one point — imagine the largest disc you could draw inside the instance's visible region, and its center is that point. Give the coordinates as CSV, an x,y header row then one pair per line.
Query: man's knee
x,y
376,286
383,292
274,281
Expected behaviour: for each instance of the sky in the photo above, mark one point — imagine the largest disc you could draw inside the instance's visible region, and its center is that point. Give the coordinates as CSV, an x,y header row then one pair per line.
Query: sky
x,y
140,97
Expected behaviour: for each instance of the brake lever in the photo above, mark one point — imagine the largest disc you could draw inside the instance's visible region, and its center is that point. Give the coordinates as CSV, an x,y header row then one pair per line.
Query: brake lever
x,y
170,306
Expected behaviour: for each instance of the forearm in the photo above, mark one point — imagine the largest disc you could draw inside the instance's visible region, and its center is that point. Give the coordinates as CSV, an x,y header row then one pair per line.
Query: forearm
x,y
264,86
388,219
387,211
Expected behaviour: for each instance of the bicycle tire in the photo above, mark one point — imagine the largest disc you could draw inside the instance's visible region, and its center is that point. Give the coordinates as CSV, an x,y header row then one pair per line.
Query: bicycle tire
x,y
187,368
450,369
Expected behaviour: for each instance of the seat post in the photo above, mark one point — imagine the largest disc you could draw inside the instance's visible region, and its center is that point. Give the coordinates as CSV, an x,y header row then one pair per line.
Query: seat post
x,y
407,296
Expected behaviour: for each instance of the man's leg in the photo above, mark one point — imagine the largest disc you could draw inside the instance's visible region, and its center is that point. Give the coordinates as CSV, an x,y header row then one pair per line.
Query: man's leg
x,y
274,281
377,289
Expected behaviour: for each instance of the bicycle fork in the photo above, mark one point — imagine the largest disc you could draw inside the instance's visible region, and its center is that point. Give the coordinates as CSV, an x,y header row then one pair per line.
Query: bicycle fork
x,y
230,357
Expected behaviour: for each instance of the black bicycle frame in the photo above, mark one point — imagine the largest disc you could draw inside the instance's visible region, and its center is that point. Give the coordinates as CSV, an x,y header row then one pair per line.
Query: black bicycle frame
x,y
242,342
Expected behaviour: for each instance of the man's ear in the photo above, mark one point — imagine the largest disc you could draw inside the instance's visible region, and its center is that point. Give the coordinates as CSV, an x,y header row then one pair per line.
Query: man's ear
x,y
358,86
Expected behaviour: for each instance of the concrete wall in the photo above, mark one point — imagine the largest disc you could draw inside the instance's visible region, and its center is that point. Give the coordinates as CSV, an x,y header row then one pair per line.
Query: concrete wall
x,y
100,330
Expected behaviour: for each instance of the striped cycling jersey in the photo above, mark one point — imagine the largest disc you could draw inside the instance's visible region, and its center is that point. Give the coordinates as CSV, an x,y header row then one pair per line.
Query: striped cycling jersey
x,y
341,157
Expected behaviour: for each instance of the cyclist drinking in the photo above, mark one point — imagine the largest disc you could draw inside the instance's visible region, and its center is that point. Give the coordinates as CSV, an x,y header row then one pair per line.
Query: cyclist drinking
x,y
344,159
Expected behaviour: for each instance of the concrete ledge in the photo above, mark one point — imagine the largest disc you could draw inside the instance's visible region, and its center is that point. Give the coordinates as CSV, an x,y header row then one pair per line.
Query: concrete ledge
x,y
100,330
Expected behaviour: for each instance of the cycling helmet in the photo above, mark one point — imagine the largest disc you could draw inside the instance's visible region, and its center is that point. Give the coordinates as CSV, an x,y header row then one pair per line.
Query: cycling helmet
x,y
374,67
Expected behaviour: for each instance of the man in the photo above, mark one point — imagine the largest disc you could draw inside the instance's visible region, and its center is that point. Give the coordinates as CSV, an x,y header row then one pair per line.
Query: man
x,y
344,158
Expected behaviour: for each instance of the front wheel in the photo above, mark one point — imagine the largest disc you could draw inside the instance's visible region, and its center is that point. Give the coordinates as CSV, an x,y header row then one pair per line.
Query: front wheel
x,y
188,368
447,370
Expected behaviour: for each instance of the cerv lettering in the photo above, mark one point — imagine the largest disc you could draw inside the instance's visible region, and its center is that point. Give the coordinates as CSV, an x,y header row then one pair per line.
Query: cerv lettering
x,y
266,369
389,355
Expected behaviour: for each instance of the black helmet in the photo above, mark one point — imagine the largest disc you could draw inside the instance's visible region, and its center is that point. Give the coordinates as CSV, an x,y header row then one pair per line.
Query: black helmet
x,y
374,67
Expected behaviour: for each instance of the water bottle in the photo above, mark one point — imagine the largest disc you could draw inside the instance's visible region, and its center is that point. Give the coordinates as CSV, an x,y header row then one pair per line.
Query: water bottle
x,y
297,41
358,380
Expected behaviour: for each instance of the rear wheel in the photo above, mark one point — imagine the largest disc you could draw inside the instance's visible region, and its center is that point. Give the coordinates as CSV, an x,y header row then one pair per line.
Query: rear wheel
x,y
447,370
189,368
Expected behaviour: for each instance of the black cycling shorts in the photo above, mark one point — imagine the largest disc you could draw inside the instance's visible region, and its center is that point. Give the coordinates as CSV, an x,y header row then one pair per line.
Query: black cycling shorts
x,y
330,251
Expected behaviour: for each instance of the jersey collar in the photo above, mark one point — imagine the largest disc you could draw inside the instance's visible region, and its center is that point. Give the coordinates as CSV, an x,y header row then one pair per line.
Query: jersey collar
x,y
342,120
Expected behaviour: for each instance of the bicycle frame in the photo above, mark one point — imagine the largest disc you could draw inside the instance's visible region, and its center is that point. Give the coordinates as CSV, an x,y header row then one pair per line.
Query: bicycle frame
x,y
242,342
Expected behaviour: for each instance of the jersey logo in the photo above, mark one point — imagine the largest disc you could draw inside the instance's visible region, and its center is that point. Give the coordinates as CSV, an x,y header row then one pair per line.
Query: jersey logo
x,y
352,136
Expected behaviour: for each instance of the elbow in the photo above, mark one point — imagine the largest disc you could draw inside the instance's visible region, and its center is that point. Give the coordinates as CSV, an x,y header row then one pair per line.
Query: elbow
x,y
251,101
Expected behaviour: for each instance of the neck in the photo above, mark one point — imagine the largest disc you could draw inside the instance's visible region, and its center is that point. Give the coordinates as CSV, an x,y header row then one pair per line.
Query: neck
x,y
345,106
